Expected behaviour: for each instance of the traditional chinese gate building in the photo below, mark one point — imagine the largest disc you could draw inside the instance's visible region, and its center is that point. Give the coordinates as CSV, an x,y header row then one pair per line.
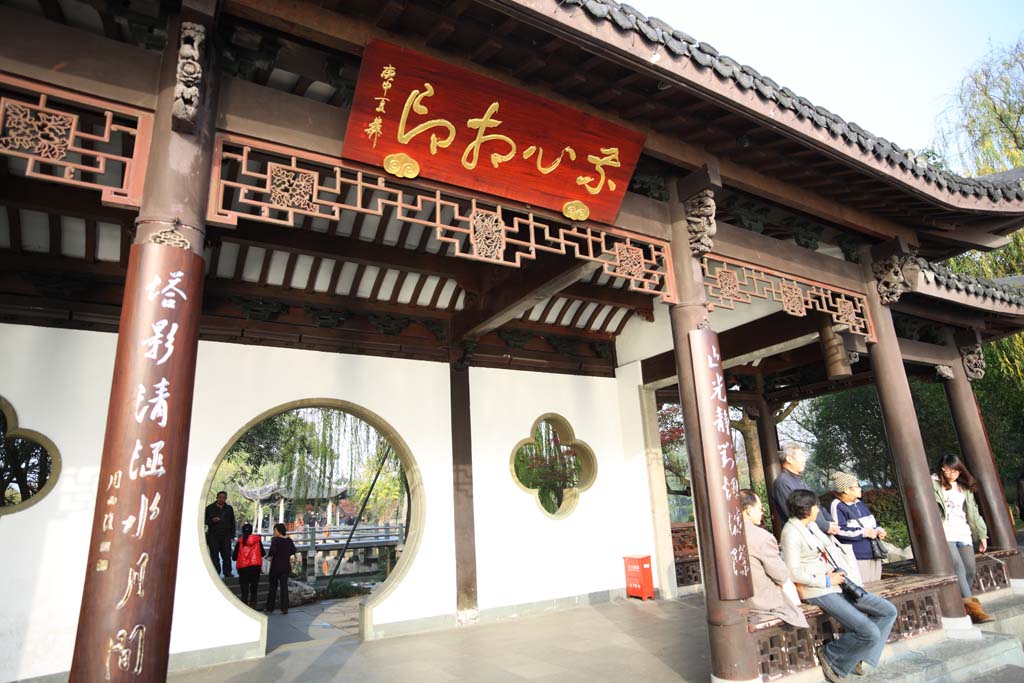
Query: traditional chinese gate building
x,y
455,220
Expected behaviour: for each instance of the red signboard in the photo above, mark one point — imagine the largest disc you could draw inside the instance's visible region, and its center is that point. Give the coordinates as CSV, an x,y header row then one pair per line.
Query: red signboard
x,y
721,474
417,116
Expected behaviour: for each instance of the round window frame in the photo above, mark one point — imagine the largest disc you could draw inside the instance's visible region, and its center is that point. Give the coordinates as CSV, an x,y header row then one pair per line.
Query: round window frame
x,y
588,465
417,504
15,431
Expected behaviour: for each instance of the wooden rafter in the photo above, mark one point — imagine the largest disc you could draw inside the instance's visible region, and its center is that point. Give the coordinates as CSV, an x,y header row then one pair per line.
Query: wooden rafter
x,y
518,294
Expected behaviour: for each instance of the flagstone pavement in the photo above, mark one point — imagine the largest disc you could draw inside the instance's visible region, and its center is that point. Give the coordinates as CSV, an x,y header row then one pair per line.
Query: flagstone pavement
x,y
624,640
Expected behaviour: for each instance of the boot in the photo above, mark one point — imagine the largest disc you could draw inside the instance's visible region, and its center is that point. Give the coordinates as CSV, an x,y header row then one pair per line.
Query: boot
x,y
975,611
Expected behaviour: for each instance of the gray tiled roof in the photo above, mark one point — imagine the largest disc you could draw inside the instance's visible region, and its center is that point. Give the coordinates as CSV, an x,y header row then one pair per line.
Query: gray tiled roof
x,y
1004,290
998,187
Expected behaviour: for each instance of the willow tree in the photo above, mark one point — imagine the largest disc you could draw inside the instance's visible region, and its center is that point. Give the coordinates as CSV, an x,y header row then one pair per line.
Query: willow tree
x,y
983,133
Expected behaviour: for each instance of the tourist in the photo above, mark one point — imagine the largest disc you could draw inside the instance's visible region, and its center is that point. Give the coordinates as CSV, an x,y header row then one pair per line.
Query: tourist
x,y
248,557
281,550
826,576
220,531
794,461
774,593
963,525
857,526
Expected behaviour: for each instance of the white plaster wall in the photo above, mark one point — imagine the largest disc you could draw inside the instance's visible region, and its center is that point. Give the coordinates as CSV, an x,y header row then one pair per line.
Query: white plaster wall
x,y
642,339
523,555
59,386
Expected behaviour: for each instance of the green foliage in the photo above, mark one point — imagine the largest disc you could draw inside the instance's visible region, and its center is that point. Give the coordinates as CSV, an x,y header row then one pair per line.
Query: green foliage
x,y
848,435
25,467
984,127
311,453
548,466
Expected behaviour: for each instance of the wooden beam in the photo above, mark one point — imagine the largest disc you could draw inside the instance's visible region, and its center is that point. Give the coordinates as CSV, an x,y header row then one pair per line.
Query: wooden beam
x,y
738,342
923,353
517,294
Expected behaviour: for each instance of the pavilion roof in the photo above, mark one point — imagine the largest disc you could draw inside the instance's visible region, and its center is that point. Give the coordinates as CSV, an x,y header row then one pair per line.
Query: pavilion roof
x,y
998,187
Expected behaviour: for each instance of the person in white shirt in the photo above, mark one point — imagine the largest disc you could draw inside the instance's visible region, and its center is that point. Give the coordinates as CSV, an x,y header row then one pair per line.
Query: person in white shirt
x,y
963,525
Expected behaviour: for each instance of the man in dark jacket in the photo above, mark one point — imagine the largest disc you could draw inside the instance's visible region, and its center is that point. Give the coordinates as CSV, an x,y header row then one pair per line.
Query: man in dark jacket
x,y
220,531
794,461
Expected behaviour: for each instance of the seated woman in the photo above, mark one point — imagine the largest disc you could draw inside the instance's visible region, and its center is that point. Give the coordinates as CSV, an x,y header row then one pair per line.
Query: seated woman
x,y
768,570
819,567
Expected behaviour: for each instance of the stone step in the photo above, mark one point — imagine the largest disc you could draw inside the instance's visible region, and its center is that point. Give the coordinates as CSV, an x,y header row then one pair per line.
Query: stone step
x,y
953,661
1008,609
1007,674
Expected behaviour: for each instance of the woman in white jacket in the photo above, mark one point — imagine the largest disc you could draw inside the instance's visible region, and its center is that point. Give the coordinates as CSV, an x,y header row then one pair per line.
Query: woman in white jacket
x,y
819,566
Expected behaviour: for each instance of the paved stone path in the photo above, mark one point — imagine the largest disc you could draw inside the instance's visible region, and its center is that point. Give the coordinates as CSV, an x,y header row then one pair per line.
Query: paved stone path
x,y
324,620
655,642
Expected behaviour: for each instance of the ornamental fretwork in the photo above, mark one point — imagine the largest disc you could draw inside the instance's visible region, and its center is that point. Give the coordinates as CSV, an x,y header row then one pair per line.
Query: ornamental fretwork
x,y
729,282
59,136
258,181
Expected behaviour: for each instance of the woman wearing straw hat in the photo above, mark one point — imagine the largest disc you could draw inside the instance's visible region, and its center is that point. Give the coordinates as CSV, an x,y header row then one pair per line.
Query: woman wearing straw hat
x,y
857,526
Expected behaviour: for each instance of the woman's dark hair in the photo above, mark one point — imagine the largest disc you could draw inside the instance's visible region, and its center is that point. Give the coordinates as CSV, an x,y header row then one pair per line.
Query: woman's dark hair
x,y
953,462
748,499
281,528
800,503
246,530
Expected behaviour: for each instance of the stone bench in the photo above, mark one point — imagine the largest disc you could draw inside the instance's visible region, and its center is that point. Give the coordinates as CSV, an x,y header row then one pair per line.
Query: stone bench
x,y
785,650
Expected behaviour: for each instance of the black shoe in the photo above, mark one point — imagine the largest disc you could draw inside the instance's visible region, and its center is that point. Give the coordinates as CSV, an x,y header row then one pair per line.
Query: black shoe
x,y
826,668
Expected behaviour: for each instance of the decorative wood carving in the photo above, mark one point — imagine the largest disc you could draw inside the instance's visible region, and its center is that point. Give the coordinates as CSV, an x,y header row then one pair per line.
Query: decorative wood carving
x,y
890,275
700,221
390,324
728,282
974,361
262,310
328,317
67,138
268,183
189,78
943,372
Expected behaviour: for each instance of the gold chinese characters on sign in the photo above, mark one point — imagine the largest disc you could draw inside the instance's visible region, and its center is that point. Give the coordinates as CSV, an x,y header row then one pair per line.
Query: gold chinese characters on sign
x,y
416,116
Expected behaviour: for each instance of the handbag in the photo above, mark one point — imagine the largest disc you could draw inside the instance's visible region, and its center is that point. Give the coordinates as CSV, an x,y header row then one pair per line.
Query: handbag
x,y
878,550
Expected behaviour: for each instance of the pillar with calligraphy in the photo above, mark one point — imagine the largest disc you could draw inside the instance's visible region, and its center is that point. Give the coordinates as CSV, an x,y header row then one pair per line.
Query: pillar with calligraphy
x,y
713,471
125,620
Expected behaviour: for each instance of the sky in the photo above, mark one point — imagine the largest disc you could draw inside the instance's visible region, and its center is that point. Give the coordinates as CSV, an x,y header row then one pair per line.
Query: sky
x,y
891,67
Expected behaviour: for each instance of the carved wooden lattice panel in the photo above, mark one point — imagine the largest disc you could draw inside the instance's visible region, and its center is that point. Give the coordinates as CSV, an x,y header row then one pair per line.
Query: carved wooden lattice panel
x,y
786,650
63,137
728,282
259,181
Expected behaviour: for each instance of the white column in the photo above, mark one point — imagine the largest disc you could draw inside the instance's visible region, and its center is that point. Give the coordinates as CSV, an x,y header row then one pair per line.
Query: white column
x,y
280,514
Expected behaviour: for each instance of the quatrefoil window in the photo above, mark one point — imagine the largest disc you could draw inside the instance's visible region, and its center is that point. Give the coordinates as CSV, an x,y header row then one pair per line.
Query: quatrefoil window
x,y
29,463
553,465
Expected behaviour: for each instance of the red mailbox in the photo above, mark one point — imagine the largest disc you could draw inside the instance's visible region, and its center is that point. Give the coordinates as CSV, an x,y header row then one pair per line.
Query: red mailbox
x,y
639,583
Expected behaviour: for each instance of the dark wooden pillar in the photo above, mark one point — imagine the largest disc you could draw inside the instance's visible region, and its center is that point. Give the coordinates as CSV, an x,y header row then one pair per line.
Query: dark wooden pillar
x,y
733,655
904,437
124,626
462,476
768,438
977,452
